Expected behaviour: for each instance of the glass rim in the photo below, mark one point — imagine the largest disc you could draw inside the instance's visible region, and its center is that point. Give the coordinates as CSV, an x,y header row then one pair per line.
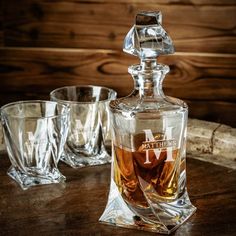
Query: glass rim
x,y
81,86
65,113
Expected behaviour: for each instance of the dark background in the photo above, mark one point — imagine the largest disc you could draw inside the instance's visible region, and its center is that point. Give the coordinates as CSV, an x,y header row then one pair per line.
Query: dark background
x,y
48,44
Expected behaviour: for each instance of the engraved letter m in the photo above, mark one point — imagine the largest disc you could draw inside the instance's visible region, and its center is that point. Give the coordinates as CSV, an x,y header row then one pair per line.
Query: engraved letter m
x,y
149,137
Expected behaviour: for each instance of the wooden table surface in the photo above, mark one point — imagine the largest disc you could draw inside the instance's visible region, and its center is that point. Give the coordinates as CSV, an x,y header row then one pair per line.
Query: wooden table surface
x,y
74,208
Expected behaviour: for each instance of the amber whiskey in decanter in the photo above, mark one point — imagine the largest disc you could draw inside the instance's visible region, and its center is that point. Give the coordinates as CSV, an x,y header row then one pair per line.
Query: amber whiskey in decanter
x,y
148,181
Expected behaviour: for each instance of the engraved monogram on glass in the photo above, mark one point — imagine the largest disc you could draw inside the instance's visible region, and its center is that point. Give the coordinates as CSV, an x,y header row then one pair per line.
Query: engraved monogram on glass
x,y
89,134
35,133
157,145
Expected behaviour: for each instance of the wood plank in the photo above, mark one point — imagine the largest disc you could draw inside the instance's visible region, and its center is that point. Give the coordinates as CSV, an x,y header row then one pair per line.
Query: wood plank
x,y
24,70
171,2
201,76
216,111
74,208
194,26
1,24
206,81
192,77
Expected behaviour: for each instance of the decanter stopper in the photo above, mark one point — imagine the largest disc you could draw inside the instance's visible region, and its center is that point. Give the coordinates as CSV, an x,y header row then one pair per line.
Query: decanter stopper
x,y
147,39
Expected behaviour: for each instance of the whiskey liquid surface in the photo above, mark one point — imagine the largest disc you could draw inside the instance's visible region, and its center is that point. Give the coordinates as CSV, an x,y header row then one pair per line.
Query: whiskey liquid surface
x,y
138,180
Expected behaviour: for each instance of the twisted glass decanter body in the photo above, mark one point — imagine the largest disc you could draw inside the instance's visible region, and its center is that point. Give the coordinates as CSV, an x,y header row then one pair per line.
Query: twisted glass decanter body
x,y
148,181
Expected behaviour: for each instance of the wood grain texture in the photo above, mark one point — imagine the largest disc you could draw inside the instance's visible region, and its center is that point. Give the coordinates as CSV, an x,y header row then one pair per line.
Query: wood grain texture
x,y
192,76
170,2
1,24
206,81
212,142
195,26
217,111
74,208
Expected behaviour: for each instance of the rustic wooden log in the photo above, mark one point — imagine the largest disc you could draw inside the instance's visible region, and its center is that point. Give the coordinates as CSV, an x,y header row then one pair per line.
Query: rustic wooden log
x,y
212,142
224,142
194,25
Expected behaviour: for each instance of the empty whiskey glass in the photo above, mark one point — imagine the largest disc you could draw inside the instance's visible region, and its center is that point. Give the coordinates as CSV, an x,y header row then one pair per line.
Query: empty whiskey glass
x,y
89,133
34,133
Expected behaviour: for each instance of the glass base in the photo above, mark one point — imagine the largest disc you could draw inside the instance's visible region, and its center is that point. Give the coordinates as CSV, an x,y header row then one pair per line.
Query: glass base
x,y
79,160
158,220
28,180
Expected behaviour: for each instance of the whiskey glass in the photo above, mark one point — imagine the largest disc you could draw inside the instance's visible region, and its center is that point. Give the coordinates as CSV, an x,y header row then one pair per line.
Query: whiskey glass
x,y
89,133
148,175
34,133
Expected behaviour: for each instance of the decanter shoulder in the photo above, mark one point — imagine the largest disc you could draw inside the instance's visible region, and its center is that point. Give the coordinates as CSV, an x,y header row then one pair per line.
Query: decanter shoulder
x,y
134,106
176,102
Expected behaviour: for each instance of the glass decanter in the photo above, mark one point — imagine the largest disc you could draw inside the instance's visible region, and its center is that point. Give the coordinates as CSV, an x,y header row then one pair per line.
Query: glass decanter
x,y
148,179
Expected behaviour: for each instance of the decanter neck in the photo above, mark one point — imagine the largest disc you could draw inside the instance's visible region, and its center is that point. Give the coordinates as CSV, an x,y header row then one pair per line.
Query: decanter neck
x,y
148,65
148,78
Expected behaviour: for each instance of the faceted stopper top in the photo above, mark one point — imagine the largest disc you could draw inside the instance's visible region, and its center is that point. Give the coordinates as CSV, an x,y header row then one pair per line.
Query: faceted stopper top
x,y
147,39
